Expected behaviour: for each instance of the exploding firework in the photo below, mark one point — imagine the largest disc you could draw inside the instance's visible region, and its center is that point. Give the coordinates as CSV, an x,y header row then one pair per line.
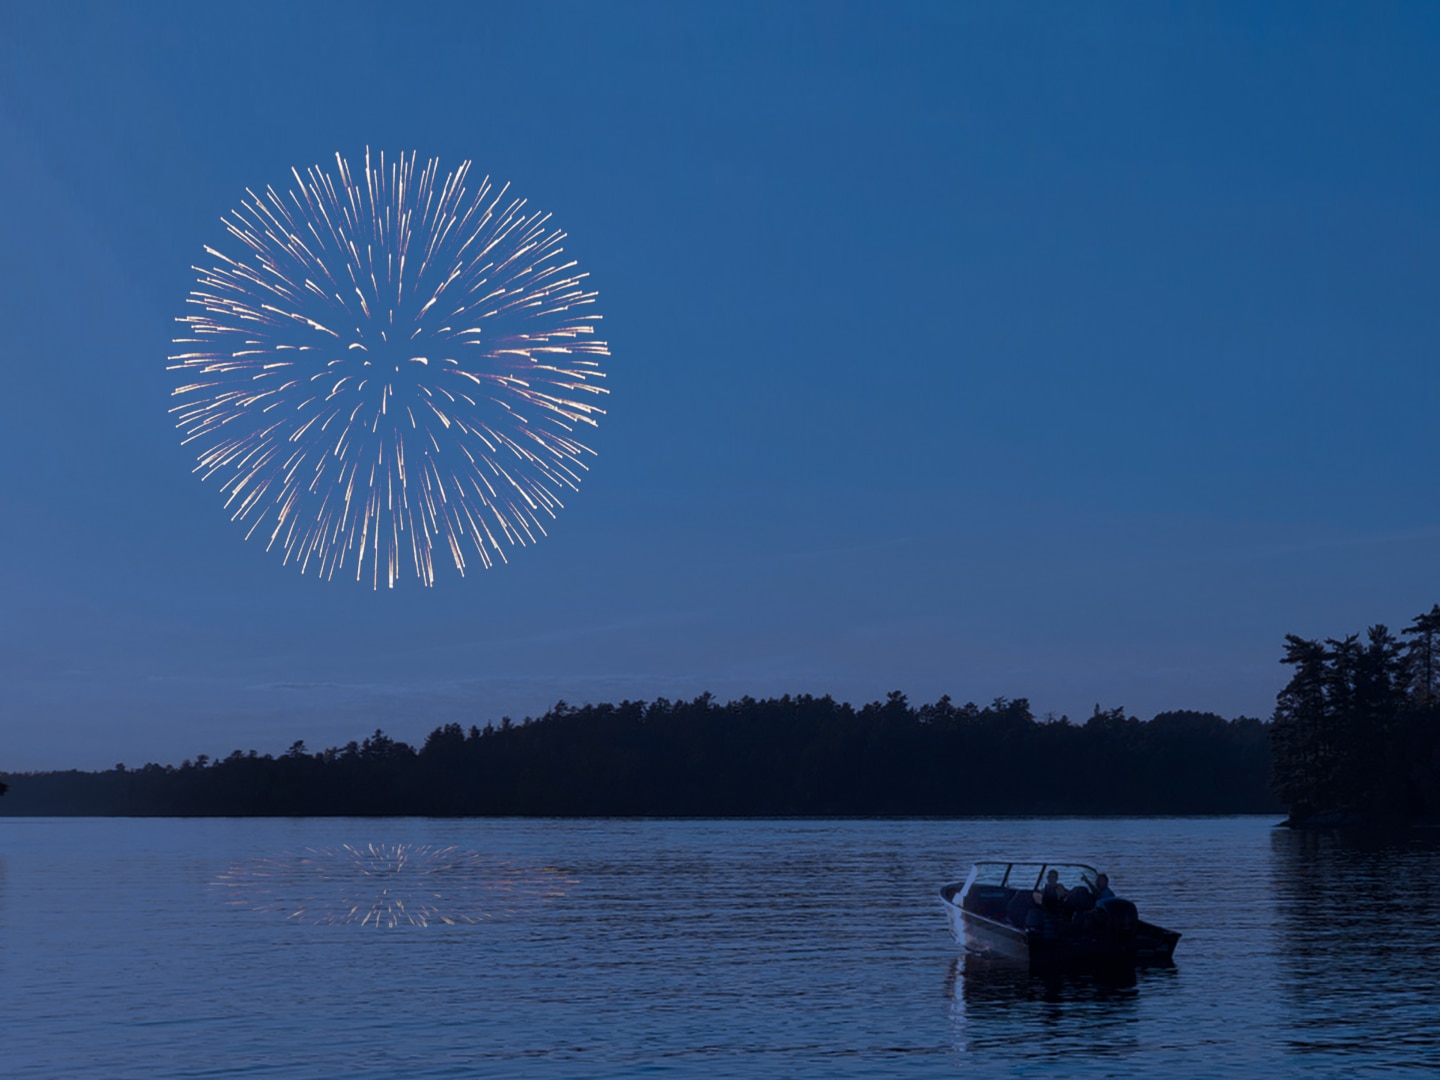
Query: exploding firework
x,y
388,885
385,367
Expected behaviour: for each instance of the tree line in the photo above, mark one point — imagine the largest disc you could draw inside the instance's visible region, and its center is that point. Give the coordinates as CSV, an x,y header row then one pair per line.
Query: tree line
x,y
1356,731
792,755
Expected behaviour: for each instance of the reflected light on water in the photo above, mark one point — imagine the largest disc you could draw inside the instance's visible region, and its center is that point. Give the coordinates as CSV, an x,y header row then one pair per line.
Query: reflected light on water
x,y
815,950
388,885
1059,1015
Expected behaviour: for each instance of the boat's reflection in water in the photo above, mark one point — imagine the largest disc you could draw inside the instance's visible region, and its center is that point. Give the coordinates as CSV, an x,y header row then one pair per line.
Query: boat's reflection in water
x,y
1002,1006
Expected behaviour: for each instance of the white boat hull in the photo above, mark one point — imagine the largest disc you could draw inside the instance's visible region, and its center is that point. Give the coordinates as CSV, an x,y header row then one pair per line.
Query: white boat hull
x,y
981,912
980,936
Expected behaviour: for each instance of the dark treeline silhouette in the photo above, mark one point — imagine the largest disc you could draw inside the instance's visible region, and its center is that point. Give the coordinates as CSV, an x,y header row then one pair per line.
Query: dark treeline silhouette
x,y
1356,732
783,756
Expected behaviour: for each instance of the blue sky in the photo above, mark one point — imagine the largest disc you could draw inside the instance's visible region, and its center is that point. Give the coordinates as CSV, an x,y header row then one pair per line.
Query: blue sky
x,y
1069,352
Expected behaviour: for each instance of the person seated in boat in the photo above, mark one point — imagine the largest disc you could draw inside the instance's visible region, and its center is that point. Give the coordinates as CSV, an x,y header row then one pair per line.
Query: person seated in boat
x,y
1053,895
1103,893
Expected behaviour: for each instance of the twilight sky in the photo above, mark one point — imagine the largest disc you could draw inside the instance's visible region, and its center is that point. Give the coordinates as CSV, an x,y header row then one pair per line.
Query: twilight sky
x,y
1060,351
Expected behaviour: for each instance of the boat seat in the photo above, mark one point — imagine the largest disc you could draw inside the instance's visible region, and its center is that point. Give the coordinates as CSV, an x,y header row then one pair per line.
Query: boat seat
x,y
1021,901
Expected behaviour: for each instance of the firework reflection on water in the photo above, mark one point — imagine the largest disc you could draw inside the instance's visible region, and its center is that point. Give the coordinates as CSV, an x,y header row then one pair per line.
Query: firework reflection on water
x,y
389,885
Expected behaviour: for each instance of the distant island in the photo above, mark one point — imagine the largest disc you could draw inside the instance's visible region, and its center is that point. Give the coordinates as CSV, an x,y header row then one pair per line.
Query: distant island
x,y
1354,739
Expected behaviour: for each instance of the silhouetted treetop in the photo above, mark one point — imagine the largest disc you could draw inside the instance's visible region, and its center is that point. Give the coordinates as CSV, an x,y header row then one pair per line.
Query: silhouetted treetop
x,y
793,755
1354,734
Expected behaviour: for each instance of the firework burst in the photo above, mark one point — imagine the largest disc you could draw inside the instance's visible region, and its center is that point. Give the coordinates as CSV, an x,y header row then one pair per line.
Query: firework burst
x,y
388,885
389,368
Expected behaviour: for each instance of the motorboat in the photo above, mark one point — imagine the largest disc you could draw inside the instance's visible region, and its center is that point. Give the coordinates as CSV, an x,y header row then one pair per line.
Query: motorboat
x,y
1050,915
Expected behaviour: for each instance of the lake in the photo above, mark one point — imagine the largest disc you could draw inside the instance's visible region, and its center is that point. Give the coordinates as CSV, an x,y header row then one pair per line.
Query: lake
x,y
812,948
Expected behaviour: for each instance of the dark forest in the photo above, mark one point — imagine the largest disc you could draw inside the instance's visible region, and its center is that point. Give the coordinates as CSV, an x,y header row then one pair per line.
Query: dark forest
x,y
783,756
1354,739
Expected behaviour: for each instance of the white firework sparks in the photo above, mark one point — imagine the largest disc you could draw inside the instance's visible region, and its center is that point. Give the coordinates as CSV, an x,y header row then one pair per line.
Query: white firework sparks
x,y
387,366
388,885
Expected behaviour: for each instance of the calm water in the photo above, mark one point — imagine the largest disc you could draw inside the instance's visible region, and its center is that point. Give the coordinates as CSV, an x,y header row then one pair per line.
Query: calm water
x,y
134,948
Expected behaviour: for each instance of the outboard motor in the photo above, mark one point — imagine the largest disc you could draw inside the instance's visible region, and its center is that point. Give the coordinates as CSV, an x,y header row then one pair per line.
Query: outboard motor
x,y
1122,920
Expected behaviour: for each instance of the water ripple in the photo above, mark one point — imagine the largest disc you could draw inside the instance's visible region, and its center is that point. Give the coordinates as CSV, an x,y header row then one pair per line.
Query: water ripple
x,y
691,948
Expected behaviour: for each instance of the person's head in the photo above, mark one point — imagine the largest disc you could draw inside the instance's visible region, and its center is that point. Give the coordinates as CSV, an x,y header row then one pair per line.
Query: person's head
x,y
1053,876
1102,881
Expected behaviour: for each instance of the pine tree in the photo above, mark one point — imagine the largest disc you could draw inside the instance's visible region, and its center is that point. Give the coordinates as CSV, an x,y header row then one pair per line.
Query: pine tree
x,y
1422,659
1296,734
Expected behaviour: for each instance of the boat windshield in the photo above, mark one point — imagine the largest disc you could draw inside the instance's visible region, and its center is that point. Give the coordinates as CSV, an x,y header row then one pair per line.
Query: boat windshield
x,y
1025,875
988,873
1031,875
1073,874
